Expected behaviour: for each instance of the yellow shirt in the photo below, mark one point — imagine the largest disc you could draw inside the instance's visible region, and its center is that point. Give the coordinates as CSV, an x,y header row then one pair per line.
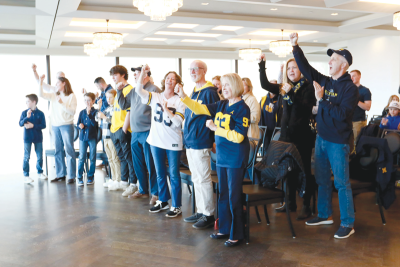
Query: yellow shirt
x,y
119,115
208,84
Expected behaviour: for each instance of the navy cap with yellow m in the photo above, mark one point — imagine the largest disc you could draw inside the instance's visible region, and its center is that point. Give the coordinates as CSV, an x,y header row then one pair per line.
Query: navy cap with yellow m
x,y
343,52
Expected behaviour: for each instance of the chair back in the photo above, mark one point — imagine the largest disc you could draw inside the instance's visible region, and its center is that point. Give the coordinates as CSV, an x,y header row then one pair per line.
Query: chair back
x,y
393,139
254,147
263,133
99,134
376,119
76,133
371,158
276,134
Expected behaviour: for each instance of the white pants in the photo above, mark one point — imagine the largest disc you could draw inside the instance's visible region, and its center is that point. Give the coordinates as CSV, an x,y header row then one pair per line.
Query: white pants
x,y
200,167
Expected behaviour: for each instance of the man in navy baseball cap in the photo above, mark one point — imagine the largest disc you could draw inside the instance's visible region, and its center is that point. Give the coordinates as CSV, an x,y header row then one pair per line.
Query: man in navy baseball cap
x,y
344,53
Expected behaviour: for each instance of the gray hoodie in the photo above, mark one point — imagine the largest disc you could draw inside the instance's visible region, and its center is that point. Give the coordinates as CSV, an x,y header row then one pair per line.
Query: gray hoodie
x,y
140,113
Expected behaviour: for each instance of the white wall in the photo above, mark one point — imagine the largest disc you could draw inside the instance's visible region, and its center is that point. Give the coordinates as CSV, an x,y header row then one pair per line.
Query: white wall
x,y
378,59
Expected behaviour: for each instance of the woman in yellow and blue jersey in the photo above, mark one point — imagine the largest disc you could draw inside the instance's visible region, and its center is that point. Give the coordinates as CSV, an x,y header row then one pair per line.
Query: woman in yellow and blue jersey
x,y
231,123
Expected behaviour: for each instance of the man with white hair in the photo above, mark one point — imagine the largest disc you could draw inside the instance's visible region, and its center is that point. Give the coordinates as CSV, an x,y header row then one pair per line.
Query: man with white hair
x,y
337,96
199,140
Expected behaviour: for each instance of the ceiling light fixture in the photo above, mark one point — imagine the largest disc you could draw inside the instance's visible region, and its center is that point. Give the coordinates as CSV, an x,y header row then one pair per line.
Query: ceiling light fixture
x,y
192,41
249,54
393,2
204,4
193,34
335,14
281,48
226,28
182,26
396,20
158,10
93,50
107,41
274,9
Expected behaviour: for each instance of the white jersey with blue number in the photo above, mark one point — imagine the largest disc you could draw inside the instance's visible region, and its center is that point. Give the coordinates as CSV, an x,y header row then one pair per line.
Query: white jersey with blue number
x,y
164,132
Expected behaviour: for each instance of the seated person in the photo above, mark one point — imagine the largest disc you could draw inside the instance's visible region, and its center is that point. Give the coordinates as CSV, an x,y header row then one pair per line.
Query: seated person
x,y
392,121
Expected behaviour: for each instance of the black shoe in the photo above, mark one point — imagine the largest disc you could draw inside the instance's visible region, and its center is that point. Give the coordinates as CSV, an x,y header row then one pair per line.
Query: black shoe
x,y
204,222
57,179
159,206
194,218
232,244
344,232
319,221
305,213
216,236
173,212
71,181
283,208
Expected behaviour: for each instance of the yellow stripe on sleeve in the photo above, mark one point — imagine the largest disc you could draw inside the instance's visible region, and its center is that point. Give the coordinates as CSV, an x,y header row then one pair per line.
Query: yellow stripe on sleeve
x,y
230,135
180,114
150,96
196,107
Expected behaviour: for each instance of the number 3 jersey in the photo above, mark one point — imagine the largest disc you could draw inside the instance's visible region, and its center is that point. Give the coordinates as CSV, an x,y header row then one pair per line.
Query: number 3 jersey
x,y
232,123
166,132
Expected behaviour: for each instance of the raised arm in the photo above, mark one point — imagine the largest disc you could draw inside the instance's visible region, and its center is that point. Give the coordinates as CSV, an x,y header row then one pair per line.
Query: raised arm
x,y
46,86
194,106
47,96
305,68
265,84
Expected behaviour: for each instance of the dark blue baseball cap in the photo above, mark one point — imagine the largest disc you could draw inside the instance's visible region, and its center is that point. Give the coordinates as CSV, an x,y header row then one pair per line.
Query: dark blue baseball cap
x,y
343,52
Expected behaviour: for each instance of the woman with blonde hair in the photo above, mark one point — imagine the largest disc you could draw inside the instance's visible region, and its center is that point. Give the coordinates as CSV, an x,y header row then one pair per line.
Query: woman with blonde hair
x,y
255,111
298,101
385,111
231,123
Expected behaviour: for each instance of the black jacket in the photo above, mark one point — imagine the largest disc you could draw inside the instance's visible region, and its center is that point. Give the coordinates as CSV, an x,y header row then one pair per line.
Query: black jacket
x,y
282,159
335,112
295,118
382,170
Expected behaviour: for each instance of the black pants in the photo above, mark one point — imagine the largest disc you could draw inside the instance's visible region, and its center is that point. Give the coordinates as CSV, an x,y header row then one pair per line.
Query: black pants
x,y
305,151
122,143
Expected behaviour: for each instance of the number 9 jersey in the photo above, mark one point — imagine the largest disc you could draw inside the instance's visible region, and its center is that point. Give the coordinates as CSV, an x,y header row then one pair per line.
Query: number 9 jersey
x,y
166,132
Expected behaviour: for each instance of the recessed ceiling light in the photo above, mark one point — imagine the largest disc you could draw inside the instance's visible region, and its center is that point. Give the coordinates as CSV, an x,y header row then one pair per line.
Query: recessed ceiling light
x,y
103,24
227,12
274,9
279,33
154,39
84,34
191,41
204,4
188,34
315,41
183,26
227,28
335,14
393,2
246,41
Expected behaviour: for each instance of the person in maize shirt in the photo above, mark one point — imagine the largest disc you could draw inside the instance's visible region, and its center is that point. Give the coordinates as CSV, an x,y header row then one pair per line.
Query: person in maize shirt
x,y
231,124
338,97
165,139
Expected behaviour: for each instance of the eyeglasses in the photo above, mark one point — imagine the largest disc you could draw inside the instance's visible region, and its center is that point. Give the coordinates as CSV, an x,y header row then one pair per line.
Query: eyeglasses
x,y
196,69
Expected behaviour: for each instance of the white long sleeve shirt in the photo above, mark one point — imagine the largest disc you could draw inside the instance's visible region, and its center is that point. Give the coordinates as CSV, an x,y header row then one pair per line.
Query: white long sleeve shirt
x,y
255,114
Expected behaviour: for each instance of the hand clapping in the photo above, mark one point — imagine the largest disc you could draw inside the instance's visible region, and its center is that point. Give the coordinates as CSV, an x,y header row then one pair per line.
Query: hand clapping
x,y
179,90
81,126
29,113
384,121
319,91
210,124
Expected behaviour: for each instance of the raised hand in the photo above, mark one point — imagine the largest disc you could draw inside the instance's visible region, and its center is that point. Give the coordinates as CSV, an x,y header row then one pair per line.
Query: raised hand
x,y
210,124
28,114
84,91
179,90
42,78
294,37
286,87
384,121
97,95
146,69
34,67
120,86
101,115
81,126
165,106
261,58
319,91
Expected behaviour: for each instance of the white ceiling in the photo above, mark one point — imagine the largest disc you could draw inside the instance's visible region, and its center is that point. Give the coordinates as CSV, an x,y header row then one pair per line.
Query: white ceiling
x,y
40,26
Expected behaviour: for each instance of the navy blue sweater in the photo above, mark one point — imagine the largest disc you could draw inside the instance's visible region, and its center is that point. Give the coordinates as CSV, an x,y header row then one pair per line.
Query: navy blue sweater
x,y
33,135
335,112
196,135
91,126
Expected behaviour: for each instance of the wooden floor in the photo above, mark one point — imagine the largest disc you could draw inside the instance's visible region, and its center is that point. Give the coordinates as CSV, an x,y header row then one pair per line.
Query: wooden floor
x,y
57,224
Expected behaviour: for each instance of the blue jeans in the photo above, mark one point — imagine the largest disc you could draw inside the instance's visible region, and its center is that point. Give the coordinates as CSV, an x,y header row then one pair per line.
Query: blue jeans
x,y
64,135
336,156
230,183
160,155
27,155
141,156
83,146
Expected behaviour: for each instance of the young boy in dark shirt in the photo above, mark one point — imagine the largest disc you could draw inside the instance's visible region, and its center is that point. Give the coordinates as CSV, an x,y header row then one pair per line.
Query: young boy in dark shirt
x,y
34,122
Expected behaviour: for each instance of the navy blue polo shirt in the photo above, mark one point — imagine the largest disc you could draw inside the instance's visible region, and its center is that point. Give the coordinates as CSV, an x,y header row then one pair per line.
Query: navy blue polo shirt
x,y
91,128
364,94
33,135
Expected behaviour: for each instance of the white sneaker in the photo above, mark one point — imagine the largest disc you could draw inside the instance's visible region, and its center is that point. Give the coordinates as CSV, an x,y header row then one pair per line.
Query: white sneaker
x,y
114,186
28,180
130,190
123,185
107,184
42,176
